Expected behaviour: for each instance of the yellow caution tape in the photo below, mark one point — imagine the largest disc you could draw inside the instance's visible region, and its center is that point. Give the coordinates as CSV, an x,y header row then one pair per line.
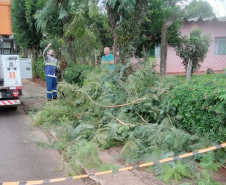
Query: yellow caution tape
x,y
118,170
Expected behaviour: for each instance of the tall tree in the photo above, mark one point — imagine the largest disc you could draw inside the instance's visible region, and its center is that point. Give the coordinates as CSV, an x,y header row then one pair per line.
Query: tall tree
x,y
76,24
158,12
199,8
84,29
51,19
125,17
24,27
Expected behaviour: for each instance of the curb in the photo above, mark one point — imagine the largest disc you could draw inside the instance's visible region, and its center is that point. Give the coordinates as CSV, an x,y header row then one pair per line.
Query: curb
x,y
25,106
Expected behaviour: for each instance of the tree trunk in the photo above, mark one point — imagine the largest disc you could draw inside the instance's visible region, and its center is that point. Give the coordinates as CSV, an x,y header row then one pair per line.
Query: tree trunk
x,y
164,44
111,17
115,48
94,59
63,63
139,17
25,53
189,68
34,59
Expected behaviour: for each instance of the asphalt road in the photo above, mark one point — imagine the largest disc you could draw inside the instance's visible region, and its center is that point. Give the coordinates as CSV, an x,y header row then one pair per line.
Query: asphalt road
x,y
20,158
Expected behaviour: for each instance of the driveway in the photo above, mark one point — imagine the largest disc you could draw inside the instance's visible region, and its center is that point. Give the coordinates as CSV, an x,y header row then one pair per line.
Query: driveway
x,y
20,158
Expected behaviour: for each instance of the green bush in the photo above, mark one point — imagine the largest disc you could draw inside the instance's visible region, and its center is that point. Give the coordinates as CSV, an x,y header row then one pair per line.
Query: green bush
x,y
76,74
41,68
201,109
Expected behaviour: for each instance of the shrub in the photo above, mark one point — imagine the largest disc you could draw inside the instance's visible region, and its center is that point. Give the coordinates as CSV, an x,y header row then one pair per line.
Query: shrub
x,y
41,68
76,74
201,109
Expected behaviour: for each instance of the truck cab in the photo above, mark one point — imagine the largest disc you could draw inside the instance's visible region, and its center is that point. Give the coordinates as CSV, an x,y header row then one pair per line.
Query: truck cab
x,y
10,77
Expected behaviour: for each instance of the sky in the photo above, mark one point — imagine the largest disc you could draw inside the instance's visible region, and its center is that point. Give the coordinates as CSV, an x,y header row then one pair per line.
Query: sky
x,y
218,7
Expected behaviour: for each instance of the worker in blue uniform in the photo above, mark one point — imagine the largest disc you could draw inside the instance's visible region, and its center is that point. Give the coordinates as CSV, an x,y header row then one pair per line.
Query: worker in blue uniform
x,y
51,64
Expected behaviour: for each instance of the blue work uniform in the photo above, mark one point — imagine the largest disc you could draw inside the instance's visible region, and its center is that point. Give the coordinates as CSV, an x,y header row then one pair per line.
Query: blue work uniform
x,y
51,79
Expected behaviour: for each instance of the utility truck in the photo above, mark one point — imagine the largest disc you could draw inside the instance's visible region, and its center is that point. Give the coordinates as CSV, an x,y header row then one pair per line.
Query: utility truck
x,y
10,75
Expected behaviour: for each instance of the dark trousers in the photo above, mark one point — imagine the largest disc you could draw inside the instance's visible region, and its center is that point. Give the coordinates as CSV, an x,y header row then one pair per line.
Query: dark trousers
x,y
51,87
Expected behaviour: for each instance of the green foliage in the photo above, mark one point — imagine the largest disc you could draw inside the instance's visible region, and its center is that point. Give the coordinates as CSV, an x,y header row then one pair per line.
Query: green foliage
x,y
41,68
51,113
199,8
123,15
76,25
48,12
75,74
201,108
205,179
177,172
148,132
83,154
108,167
24,29
202,78
127,5
84,121
208,160
125,32
157,13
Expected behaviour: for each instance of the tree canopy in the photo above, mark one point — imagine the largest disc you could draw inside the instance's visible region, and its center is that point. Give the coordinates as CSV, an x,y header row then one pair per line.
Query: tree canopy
x,y
28,36
199,8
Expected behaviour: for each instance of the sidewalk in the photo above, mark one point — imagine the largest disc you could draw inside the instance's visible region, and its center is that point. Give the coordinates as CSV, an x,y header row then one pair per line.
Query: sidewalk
x,y
131,177
34,95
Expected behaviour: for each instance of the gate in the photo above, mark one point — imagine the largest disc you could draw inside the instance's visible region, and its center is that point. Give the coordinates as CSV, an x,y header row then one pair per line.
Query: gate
x,y
26,68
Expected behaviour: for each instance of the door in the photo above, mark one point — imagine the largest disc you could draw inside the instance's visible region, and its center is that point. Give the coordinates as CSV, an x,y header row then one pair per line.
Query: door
x,y
11,70
26,68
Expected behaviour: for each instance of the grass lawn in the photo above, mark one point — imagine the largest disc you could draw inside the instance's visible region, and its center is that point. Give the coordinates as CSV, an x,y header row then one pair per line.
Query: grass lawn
x,y
219,78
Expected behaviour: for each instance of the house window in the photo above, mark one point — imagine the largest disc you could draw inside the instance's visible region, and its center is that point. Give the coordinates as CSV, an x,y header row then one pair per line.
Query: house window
x,y
220,46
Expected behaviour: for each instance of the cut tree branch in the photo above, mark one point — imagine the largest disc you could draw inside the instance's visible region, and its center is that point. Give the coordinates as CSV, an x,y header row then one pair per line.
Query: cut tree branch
x,y
110,106
121,122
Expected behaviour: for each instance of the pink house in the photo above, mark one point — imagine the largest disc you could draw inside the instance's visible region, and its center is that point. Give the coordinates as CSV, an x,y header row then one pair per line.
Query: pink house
x,y
216,57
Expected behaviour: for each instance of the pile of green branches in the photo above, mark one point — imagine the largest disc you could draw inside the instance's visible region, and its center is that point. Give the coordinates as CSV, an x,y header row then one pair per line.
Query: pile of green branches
x,y
106,112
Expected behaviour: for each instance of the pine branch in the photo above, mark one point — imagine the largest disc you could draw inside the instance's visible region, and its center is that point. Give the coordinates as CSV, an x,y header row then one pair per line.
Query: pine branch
x,y
169,119
110,106
132,125
132,100
162,93
141,117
